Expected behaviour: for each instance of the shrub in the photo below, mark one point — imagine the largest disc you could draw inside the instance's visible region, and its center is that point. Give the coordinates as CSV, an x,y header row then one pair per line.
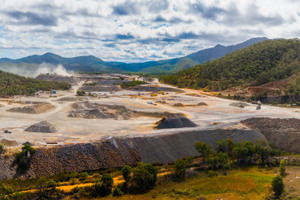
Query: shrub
x,y
4,190
180,168
1,148
126,171
51,184
80,92
23,158
144,177
282,167
103,187
125,85
117,192
277,186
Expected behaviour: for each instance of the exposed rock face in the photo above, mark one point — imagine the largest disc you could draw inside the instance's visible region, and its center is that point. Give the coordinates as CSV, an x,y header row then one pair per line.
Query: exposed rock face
x,y
42,127
284,134
120,151
175,122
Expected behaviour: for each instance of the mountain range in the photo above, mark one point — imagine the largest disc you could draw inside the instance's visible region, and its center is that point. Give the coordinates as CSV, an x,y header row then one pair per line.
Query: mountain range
x,y
92,63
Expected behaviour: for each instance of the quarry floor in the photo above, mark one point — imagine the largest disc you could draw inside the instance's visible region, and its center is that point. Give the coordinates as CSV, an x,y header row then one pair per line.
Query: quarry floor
x,y
217,114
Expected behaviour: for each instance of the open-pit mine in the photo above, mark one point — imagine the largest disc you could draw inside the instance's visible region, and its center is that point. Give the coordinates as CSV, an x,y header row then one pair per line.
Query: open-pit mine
x,y
110,126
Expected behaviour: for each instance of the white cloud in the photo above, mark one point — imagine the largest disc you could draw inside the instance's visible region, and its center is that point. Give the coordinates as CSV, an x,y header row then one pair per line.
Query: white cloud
x,y
136,30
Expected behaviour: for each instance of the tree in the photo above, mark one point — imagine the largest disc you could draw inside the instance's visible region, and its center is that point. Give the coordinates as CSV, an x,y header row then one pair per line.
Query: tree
x,y
144,177
277,186
23,158
263,152
41,184
203,149
103,187
230,146
221,146
180,168
80,92
126,171
282,167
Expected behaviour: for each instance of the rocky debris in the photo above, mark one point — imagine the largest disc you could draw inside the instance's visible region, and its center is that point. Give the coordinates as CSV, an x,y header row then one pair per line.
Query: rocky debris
x,y
33,109
175,122
239,104
284,134
100,88
178,105
82,157
67,99
42,127
154,89
55,77
90,110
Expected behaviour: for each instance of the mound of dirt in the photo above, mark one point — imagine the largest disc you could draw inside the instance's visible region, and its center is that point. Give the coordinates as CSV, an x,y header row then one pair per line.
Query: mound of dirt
x,y
55,77
90,110
42,127
100,88
9,143
33,109
175,122
284,134
240,104
178,105
68,99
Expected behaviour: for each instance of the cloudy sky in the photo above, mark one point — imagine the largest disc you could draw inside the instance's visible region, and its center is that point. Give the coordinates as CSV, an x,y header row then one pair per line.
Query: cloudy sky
x,y
134,30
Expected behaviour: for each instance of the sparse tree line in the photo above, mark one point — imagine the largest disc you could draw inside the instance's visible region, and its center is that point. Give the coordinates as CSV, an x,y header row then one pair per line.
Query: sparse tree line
x,y
11,84
143,177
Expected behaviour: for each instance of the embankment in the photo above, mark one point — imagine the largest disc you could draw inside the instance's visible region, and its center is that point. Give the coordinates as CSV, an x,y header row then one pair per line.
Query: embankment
x,y
119,151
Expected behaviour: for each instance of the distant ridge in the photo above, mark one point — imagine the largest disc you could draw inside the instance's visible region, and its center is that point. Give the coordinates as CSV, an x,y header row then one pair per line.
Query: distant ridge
x,y
92,63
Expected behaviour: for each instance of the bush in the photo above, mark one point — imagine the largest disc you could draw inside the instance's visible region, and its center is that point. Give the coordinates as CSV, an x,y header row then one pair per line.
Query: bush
x,y
125,85
144,177
282,167
126,171
277,186
103,187
23,158
51,184
1,148
80,92
180,168
212,173
117,192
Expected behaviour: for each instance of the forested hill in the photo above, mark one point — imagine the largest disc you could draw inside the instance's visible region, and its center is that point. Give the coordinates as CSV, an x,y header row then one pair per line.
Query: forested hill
x,y
11,84
257,64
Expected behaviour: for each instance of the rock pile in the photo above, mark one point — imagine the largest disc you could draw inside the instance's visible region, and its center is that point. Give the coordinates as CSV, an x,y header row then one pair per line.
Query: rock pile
x,y
175,122
42,127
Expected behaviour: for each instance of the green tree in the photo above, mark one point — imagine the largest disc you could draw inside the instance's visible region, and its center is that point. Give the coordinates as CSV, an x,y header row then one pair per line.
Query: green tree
x,y
103,187
282,167
277,186
180,168
203,149
41,184
80,92
126,171
144,177
23,158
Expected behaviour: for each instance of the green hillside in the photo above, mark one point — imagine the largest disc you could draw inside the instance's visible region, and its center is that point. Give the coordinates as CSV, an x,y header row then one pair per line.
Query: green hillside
x,y
257,64
11,84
